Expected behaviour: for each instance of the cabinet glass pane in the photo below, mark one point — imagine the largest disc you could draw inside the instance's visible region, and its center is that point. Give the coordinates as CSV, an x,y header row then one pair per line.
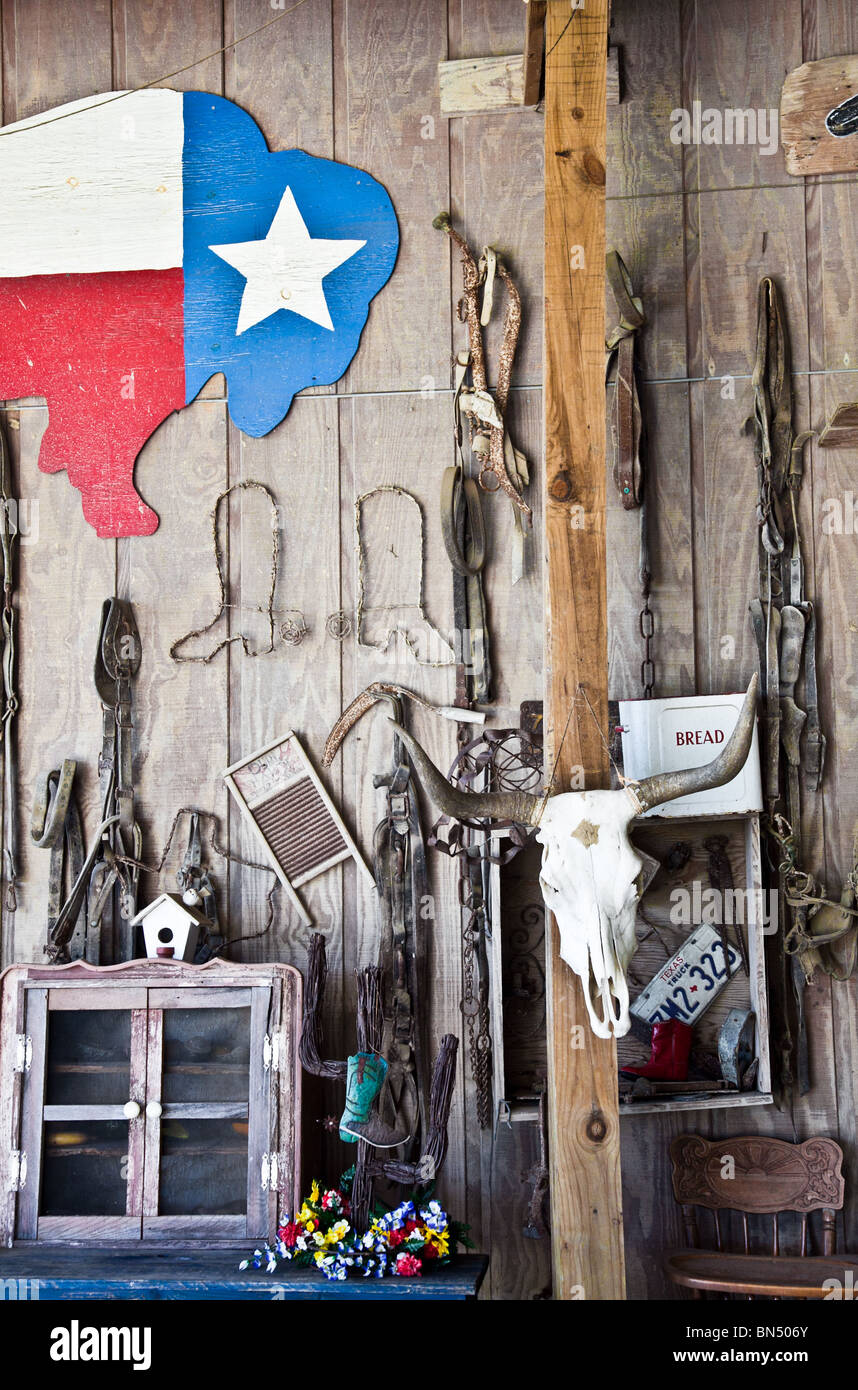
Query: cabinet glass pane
x,y
84,1168
89,1057
206,1054
203,1168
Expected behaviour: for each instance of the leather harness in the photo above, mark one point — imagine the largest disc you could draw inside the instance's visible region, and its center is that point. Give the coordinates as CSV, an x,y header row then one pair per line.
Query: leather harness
x,y
626,421
499,465
113,862
628,437
784,623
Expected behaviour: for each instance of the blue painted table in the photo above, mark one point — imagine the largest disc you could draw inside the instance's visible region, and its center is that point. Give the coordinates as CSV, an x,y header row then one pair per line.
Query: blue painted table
x,y
52,1274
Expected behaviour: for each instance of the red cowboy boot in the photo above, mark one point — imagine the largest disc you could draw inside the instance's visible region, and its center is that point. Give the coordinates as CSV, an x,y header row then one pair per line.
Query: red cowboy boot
x,y
671,1046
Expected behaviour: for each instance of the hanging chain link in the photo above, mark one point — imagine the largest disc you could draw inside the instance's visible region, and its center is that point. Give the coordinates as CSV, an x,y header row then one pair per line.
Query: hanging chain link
x,y
646,621
475,994
647,629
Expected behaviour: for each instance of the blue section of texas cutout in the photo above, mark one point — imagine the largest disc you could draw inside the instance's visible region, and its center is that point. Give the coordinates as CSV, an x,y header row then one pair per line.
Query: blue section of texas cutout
x,y
233,186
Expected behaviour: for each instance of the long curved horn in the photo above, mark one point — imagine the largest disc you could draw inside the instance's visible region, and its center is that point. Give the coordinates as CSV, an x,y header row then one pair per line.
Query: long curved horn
x,y
521,807
667,786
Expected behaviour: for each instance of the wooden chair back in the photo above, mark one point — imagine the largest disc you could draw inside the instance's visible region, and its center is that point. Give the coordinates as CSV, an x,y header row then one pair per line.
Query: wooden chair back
x,y
753,1174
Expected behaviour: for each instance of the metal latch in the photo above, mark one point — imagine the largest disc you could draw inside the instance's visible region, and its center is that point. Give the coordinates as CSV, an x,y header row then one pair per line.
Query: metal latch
x,y
272,1051
271,1164
23,1052
17,1170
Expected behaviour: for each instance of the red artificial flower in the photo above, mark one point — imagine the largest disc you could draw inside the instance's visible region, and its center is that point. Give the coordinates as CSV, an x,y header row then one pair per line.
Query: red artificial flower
x,y
410,1226
395,1238
408,1265
428,1252
289,1233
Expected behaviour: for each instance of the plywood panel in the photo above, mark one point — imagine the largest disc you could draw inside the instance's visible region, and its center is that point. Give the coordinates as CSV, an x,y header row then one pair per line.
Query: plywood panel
x,y
152,38
391,126
293,687
743,53
180,710
745,235
649,234
642,159
493,150
53,53
666,412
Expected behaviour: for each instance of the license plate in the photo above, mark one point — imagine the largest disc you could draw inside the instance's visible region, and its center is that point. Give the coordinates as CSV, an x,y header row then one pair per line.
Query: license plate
x,y
685,987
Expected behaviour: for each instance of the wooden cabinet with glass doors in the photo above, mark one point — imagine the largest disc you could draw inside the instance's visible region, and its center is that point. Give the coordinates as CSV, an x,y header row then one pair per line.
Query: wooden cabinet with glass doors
x,y
154,1101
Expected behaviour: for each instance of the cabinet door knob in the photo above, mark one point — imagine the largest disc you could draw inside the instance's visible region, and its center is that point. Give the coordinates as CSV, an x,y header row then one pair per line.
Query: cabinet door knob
x,y
131,1110
153,1109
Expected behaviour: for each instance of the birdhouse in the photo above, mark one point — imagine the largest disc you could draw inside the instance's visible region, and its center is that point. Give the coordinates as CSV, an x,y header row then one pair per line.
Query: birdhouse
x,y
171,928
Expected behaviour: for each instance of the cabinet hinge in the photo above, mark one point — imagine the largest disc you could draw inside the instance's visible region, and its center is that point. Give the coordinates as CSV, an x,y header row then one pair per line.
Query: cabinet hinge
x,y
272,1051
23,1052
273,1165
17,1170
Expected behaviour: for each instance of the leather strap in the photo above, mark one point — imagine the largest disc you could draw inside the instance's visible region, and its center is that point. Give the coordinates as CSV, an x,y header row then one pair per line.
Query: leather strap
x,y
813,760
56,826
456,488
117,662
626,421
70,910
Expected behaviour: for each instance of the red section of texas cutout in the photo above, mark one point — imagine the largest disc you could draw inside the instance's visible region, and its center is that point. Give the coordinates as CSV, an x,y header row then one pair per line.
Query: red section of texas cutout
x,y
107,352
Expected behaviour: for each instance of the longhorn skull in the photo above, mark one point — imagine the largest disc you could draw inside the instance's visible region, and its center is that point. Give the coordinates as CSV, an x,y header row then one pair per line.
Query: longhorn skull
x,y
591,871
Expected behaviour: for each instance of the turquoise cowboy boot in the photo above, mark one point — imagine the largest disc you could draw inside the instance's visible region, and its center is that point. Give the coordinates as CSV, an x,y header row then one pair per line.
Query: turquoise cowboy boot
x,y
364,1079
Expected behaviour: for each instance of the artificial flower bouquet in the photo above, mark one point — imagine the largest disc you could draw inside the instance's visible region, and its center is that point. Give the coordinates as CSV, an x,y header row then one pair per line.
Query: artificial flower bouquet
x,y
404,1241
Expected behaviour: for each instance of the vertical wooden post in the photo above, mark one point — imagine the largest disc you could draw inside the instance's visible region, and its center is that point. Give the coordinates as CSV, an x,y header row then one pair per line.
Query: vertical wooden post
x,y
586,1211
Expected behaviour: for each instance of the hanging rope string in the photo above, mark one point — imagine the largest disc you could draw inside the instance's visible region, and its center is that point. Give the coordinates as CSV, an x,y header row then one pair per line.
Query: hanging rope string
x,y
156,81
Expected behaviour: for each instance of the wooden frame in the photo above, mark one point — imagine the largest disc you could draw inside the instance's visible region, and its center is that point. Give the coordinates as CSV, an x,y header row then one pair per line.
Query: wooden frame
x,y
28,994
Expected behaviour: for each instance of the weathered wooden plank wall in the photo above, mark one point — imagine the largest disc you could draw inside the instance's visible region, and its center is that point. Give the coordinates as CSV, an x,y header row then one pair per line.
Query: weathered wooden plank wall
x,y
697,226
356,82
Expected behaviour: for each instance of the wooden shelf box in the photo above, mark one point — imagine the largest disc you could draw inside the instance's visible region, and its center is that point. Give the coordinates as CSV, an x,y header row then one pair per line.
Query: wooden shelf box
x,y
663,937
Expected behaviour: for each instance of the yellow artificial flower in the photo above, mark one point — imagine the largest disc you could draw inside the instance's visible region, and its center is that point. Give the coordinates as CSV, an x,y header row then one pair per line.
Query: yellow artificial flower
x,y
319,1238
338,1231
439,1239
314,1193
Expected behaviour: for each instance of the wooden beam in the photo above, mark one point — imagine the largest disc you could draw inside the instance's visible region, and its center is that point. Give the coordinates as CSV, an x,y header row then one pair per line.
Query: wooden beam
x,y
586,1212
534,47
